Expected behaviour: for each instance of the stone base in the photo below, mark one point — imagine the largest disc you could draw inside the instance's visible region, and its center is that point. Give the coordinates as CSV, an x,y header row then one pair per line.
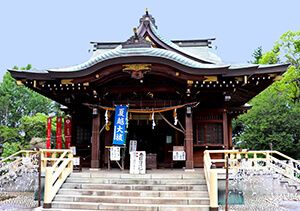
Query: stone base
x,y
47,205
189,170
94,169
189,164
95,164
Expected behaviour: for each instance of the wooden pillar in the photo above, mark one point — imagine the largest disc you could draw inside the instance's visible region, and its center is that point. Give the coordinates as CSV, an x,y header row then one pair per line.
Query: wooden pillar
x,y
229,132
225,130
95,161
189,163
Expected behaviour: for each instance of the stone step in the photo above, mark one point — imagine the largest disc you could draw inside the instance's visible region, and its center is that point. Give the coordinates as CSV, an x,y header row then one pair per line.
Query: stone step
x,y
112,174
170,187
117,206
134,200
191,181
135,193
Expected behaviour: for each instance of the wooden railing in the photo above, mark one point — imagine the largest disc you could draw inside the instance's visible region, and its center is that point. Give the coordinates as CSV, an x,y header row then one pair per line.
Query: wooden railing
x,y
58,165
244,159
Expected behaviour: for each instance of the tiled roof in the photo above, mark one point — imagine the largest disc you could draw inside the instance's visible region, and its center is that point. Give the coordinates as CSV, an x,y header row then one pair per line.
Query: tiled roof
x,y
147,52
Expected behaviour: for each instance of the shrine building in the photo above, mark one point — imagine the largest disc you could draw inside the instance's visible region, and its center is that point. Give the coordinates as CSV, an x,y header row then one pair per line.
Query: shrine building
x,y
178,93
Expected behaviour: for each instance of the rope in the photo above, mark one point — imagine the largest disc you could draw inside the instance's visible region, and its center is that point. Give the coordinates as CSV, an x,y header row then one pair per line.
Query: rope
x,y
143,111
164,118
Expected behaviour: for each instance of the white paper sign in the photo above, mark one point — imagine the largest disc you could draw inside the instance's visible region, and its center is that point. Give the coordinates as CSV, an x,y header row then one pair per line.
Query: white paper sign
x,y
115,153
138,162
178,155
132,145
76,161
73,149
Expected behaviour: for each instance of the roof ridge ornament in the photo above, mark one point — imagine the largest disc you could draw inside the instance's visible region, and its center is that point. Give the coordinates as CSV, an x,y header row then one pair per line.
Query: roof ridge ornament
x,y
136,41
147,18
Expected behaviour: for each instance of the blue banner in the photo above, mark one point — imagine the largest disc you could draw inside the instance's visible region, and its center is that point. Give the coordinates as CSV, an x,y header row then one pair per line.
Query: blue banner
x,y
120,125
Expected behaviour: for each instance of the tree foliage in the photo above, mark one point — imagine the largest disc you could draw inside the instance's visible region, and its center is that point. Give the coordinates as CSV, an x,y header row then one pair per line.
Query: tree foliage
x,y
18,101
275,114
23,114
257,54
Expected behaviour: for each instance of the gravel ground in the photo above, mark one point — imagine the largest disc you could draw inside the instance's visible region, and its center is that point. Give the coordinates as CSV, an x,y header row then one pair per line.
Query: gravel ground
x,y
12,201
281,202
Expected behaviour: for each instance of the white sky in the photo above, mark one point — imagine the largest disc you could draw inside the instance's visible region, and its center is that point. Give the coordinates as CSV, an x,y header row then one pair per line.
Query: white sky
x,y
57,33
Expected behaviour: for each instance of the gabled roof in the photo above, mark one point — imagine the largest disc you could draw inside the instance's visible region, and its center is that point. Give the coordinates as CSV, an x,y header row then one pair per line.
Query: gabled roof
x,y
147,27
190,56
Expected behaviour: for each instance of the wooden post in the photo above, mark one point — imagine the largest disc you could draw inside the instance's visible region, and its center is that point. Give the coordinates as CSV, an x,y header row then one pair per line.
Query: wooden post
x,y
189,163
229,124
95,161
40,179
225,130
227,183
48,187
213,187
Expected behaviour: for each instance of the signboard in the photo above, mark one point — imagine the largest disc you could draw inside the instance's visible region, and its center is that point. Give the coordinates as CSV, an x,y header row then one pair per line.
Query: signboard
x,y
168,139
76,161
68,132
115,154
137,162
58,133
132,145
178,148
48,133
179,155
73,149
120,125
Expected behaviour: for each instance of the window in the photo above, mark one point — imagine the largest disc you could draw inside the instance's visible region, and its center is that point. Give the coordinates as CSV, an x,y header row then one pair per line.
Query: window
x,y
208,128
208,133
83,135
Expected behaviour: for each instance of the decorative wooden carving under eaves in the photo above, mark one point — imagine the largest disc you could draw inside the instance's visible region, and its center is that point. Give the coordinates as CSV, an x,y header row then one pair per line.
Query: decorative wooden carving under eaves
x,y
66,81
137,71
211,78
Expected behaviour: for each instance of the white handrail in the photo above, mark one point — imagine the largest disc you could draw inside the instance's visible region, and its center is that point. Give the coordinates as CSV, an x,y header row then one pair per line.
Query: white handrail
x,y
266,160
27,153
56,174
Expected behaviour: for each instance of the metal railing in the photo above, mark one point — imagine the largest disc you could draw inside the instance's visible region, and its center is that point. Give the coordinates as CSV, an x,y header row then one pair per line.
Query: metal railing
x,y
248,160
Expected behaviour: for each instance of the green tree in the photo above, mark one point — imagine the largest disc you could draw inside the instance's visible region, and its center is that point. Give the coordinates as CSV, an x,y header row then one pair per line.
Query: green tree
x,y
275,114
23,114
18,101
33,126
10,148
257,54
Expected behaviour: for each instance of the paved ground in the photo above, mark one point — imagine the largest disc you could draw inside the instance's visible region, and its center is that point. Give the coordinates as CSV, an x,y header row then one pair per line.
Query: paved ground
x,y
11,201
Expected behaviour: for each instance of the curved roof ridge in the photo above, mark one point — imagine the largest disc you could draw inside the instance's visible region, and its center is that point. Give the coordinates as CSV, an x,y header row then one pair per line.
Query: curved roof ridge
x,y
149,23
127,52
176,47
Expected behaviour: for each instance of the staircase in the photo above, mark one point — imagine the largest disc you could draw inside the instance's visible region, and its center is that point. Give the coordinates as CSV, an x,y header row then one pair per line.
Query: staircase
x,y
157,190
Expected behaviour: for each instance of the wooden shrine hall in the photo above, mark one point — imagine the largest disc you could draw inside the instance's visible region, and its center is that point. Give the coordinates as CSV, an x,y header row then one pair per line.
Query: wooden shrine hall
x,y
178,92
